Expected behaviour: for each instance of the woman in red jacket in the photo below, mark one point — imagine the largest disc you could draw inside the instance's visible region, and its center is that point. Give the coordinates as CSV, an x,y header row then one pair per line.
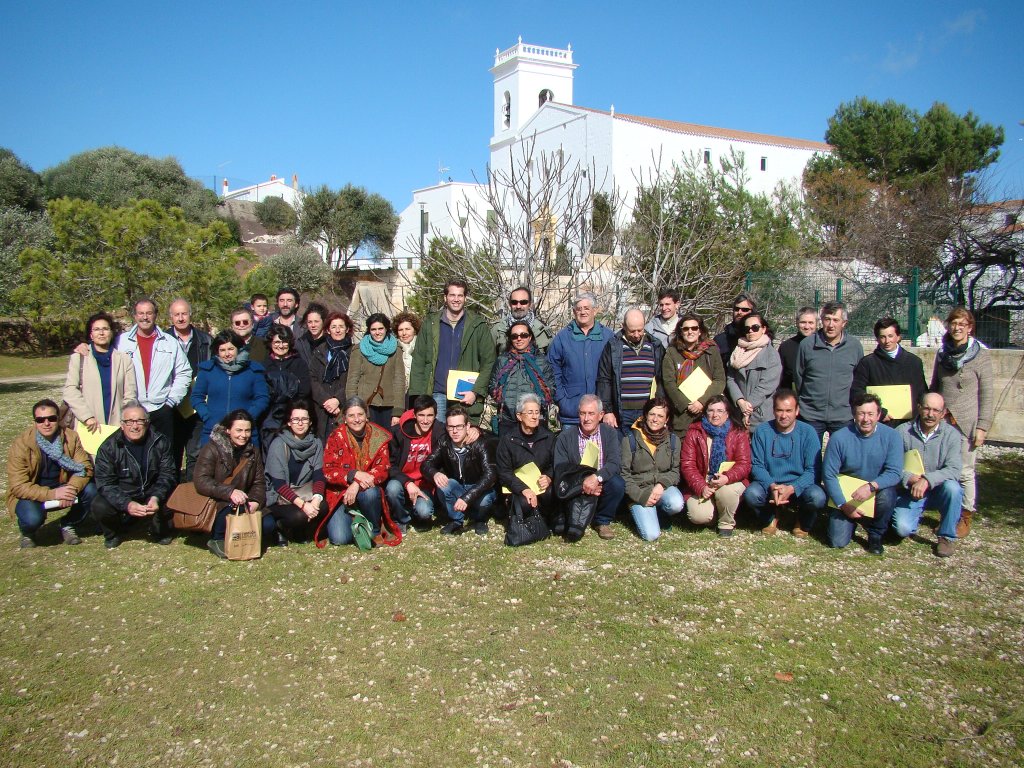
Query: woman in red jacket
x,y
717,439
356,465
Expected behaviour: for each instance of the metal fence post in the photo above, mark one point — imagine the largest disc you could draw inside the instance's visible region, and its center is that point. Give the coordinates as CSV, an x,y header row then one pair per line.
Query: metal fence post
x,y
839,289
912,299
749,284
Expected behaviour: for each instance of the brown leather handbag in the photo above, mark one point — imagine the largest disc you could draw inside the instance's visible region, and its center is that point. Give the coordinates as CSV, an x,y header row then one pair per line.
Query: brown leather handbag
x,y
194,512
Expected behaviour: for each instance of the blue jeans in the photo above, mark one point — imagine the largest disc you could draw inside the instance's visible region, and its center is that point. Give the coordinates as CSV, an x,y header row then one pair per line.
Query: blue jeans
x,y
626,419
220,523
808,504
31,514
398,504
441,401
946,496
613,490
339,527
821,427
646,518
478,511
841,528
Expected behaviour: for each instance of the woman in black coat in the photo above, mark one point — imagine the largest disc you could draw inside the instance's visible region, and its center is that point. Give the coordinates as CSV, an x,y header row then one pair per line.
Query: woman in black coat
x,y
530,442
287,379
328,373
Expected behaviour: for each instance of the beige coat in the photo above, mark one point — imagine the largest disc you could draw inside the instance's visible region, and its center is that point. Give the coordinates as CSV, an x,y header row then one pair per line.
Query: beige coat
x,y
24,460
88,402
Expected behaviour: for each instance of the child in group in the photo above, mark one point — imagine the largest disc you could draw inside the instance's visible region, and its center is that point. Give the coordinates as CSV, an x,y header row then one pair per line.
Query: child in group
x,y
260,306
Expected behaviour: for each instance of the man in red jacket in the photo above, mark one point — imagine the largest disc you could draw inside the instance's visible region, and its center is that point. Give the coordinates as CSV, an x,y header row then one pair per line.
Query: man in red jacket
x,y
409,492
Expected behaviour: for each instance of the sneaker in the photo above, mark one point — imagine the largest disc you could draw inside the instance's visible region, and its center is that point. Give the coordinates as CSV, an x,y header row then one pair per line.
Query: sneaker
x,y
217,547
452,529
724,533
70,537
112,543
945,547
799,532
771,528
481,529
605,532
875,545
27,542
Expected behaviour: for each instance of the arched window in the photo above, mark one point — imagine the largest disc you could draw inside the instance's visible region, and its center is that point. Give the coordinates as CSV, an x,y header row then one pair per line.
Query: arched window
x,y
545,95
506,110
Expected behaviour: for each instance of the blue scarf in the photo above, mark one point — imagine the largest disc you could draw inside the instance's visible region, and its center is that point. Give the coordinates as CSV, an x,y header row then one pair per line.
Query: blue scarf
x,y
377,353
717,435
55,452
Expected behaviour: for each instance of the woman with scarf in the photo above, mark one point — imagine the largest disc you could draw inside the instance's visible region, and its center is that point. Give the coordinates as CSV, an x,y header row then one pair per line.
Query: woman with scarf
x,y
709,487
754,371
295,473
316,332
287,379
356,464
328,372
691,350
963,376
407,328
520,369
650,467
376,373
222,457
228,382
102,380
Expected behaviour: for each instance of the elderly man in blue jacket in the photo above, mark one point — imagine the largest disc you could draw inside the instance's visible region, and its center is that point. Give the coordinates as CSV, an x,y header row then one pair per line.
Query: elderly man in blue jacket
x,y
574,355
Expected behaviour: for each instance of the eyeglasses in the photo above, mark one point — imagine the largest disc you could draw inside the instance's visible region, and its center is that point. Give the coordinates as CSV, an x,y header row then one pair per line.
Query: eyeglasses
x,y
521,336
455,427
299,420
687,328
135,422
518,302
530,413
44,419
742,309
752,328
241,323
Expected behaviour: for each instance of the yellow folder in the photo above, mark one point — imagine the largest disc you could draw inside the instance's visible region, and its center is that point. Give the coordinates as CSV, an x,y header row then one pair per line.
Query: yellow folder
x,y
912,462
590,455
895,399
92,441
695,385
849,484
726,466
460,382
529,474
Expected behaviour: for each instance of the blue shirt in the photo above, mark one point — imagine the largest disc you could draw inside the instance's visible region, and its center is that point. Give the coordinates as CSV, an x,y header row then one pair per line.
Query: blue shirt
x,y
876,458
791,458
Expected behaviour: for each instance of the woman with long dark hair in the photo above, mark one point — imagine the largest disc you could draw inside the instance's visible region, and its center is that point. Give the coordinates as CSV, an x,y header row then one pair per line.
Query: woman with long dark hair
x,y
521,368
287,380
102,380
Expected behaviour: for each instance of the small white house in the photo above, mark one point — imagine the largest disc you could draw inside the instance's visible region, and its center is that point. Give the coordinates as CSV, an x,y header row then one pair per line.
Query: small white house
x,y
257,193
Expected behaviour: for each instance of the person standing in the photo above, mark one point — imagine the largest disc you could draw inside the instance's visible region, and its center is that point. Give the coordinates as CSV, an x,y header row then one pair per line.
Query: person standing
x,y
102,380
453,339
824,369
287,314
574,355
629,373
520,309
742,306
963,376
691,350
376,372
889,365
806,324
196,346
328,373
753,372
662,327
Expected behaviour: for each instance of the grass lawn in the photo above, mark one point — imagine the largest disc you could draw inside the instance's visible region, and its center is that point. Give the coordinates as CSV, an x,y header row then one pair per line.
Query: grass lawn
x,y
749,652
25,365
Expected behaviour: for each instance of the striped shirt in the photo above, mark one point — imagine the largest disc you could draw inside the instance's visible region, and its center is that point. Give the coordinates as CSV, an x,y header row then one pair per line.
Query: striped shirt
x,y
637,374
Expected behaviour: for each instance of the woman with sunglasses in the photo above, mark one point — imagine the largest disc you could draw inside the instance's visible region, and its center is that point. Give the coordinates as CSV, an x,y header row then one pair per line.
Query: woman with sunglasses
x,y
691,350
295,473
521,368
102,380
287,379
710,489
377,372
754,371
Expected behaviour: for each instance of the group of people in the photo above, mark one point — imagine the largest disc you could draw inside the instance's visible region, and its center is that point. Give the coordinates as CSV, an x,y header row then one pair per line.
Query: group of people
x,y
457,418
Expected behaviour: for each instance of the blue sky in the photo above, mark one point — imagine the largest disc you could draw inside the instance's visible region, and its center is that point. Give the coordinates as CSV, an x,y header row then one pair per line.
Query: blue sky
x,y
379,94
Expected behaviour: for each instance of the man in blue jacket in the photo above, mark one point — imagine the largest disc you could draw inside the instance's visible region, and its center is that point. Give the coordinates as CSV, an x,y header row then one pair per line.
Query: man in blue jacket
x,y
574,355
873,454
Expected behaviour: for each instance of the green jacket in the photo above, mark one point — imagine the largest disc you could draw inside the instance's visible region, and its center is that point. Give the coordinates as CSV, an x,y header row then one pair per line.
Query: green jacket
x,y
476,353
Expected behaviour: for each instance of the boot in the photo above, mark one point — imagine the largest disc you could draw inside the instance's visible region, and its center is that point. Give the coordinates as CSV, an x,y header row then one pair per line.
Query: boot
x,y
964,526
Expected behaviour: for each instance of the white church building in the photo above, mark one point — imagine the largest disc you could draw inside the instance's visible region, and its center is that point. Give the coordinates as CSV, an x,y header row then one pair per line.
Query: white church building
x,y
533,101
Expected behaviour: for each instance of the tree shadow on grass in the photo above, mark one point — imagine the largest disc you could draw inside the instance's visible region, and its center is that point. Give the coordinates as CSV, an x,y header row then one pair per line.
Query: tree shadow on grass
x,y
999,489
18,387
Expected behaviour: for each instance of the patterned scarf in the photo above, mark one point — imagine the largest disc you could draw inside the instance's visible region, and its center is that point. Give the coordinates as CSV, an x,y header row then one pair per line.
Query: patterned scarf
x,y
377,353
953,358
337,359
717,435
527,361
360,445
55,452
689,358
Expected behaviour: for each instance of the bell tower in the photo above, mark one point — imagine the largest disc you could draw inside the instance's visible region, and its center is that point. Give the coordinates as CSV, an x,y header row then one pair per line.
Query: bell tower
x,y
525,77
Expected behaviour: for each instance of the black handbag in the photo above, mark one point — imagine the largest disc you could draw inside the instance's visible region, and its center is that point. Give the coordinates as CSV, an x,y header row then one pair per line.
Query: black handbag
x,y
525,525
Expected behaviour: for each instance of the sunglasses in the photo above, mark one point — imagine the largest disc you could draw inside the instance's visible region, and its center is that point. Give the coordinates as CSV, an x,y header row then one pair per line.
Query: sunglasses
x,y
690,328
518,302
520,336
742,309
752,328
241,322
45,419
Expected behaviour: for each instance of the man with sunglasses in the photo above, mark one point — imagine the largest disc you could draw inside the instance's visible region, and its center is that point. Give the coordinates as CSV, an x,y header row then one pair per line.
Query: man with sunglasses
x,y
726,341
135,475
47,468
785,458
520,310
243,324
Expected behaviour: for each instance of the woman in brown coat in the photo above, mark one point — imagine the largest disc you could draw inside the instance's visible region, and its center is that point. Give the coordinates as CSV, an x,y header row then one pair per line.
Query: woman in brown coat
x,y
691,350
231,444
376,372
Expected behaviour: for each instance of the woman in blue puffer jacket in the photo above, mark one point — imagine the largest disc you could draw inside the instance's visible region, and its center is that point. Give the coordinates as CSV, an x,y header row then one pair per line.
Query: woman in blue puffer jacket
x,y
227,382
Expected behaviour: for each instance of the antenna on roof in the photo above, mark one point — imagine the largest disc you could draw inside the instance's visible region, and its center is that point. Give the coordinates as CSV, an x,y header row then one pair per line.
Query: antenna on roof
x,y
441,171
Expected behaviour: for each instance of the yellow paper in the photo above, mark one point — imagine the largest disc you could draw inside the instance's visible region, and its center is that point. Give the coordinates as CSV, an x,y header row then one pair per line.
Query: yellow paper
x,y
529,474
460,382
912,462
895,399
654,388
92,441
695,385
726,466
590,455
849,484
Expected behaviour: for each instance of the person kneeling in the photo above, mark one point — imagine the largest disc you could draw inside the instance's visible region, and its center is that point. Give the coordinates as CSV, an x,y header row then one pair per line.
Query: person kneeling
x,y
531,443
